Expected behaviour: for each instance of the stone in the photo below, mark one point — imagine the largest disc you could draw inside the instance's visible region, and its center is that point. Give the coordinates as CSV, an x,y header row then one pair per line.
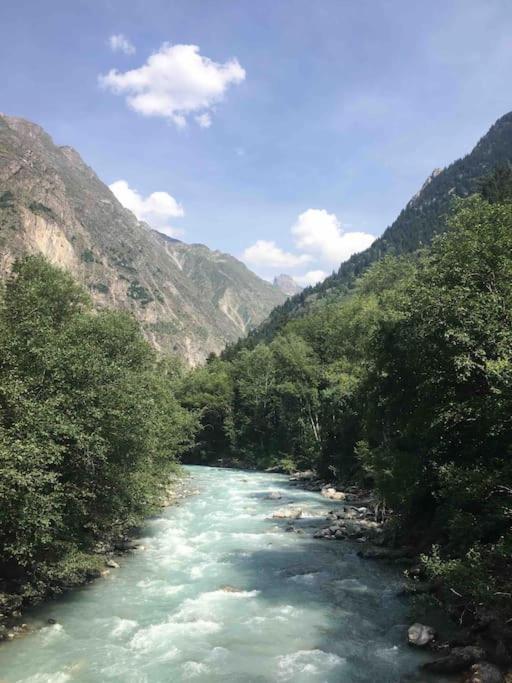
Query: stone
x,y
112,564
420,635
332,494
273,495
288,513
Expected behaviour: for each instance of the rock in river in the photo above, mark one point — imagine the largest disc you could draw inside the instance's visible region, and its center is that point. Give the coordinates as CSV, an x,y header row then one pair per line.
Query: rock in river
x,y
288,513
420,635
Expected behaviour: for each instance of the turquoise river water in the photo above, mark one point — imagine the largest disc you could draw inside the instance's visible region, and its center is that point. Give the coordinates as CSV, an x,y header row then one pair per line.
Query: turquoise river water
x,y
295,609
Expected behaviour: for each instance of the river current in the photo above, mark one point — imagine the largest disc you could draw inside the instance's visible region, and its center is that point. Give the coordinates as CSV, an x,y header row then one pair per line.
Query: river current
x,y
222,592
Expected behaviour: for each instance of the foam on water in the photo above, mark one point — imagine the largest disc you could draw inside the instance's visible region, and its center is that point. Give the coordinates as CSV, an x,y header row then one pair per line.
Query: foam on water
x,y
223,593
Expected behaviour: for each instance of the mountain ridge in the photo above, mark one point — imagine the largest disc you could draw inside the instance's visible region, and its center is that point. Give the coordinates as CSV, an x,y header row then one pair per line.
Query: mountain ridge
x,y
189,299
419,221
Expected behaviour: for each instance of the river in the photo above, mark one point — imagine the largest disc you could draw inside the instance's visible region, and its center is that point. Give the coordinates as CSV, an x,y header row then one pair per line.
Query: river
x,y
221,592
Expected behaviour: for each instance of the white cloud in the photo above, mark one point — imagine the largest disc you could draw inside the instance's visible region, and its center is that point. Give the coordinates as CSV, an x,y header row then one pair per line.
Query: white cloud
x,y
320,232
175,82
310,278
204,120
157,209
267,254
120,43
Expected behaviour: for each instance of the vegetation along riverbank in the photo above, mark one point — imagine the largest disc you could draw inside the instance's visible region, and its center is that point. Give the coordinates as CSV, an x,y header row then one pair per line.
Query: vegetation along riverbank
x,y
89,434
399,386
402,383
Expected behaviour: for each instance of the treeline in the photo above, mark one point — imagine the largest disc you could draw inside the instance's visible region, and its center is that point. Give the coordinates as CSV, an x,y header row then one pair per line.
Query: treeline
x,y
405,385
90,428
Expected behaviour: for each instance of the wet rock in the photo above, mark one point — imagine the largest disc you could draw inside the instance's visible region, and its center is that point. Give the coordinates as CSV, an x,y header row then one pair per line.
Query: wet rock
x,y
288,513
273,495
112,564
230,589
420,635
483,672
51,622
302,476
459,659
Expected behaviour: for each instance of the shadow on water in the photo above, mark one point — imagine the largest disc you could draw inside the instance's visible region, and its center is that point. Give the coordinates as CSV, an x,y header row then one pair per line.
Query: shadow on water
x,y
361,623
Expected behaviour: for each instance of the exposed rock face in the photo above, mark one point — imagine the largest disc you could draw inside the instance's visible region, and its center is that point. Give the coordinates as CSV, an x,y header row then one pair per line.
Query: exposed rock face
x,y
287,285
190,300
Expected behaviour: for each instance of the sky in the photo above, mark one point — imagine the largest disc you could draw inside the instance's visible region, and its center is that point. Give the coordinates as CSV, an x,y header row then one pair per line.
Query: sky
x,y
289,133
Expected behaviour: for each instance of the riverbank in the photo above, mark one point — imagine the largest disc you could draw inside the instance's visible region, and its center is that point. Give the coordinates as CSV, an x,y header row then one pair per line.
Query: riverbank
x,y
480,646
103,558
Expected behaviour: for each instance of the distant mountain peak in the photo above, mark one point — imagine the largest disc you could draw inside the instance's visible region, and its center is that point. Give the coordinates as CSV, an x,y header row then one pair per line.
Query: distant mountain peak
x,y
287,284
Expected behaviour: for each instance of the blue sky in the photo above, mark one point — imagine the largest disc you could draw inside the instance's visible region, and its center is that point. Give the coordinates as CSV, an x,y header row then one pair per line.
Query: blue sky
x,y
296,130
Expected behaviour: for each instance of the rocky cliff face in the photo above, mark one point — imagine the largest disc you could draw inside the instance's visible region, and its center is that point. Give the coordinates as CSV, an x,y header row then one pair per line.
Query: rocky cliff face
x,y
287,284
190,300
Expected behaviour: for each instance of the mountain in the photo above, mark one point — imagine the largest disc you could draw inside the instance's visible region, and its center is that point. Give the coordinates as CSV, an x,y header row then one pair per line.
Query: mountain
x,y
287,284
422,218
189,299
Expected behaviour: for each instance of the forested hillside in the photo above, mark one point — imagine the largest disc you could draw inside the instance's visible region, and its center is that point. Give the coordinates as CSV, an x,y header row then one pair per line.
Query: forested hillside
x,y
403,385
422,219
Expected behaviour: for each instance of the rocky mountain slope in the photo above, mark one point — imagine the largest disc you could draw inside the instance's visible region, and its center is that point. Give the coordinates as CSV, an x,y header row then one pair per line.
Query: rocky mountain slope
x,y
189,299
287,284
422,218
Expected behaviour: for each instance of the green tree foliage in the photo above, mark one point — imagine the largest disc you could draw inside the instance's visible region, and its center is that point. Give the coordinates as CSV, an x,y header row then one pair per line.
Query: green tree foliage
x,y
89,428
405,382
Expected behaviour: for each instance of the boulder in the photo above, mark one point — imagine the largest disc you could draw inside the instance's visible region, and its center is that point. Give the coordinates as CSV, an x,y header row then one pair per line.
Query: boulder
x,y
483,672
459,659
420,635
288,513
112,564
273,495
332,494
